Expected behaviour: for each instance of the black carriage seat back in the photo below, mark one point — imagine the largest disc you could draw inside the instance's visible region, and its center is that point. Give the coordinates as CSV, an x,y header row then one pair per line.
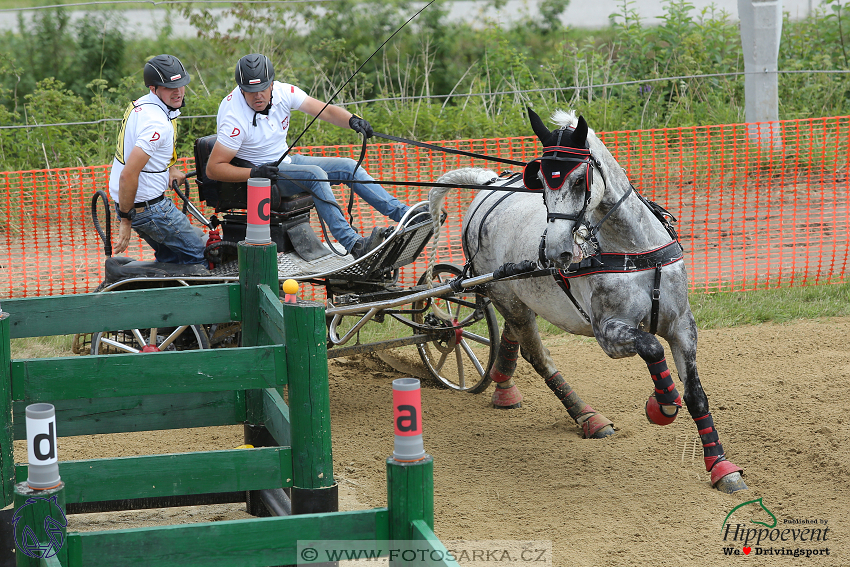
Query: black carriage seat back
x,y
226,196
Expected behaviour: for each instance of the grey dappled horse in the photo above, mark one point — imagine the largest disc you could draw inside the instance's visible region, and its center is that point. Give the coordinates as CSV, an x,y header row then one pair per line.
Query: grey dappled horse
x,y
621,277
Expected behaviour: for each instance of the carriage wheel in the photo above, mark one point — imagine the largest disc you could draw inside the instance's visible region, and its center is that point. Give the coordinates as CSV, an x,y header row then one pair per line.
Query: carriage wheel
x,y
459,356
187,337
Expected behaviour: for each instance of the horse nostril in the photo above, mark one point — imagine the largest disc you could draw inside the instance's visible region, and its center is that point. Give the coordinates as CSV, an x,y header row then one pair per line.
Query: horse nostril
x,y
565,259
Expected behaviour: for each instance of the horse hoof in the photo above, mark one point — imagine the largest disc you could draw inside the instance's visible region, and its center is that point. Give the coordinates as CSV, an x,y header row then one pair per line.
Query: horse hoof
x,y
597,426
507,398
731,483
726,477
606,431
655,412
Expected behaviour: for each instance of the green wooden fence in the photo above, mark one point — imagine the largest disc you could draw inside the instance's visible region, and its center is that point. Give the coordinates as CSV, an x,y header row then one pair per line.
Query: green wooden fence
x,y
282,345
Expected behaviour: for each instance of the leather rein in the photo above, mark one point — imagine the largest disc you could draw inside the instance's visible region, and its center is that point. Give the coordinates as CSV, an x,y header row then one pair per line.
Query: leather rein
x,y
584,232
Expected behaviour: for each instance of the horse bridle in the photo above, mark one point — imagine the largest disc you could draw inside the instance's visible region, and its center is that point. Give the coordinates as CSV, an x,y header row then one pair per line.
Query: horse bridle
x,y
578,157
583,230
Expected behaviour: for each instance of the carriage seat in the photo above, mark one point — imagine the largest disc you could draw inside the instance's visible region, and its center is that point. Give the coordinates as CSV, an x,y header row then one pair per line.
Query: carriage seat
x,y
121,268
225,196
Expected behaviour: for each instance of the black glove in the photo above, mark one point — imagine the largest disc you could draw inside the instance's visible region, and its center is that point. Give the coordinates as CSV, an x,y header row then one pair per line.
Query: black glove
x,y
267,170
360,125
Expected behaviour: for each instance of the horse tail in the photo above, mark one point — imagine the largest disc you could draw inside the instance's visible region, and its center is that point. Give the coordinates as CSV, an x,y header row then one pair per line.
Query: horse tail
x,y
464,176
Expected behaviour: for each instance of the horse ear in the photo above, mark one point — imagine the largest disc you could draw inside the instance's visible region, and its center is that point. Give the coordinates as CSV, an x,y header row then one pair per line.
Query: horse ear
x,y
537,125
580,133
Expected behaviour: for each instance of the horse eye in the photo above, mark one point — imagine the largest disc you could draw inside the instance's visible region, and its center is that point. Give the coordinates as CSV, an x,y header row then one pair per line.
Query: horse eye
x,y
578,183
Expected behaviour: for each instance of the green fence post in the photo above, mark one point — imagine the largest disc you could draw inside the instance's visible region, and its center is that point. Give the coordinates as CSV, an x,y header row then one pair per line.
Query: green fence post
x,y
313,485
42,526
257,265
410,495
7,463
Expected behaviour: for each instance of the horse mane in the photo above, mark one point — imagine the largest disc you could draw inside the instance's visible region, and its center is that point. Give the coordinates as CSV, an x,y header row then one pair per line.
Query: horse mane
x,y
566,118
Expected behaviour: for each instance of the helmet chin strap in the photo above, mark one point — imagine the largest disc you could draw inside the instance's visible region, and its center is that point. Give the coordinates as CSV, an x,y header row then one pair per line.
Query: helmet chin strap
x,y
168,106
173,109
265,111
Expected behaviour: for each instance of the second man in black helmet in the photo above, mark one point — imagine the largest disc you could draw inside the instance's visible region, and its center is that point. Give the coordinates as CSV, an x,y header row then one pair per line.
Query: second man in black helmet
x,y
252,124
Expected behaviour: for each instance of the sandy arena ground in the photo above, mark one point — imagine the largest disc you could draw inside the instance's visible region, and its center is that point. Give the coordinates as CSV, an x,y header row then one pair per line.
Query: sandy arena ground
x,y
779,395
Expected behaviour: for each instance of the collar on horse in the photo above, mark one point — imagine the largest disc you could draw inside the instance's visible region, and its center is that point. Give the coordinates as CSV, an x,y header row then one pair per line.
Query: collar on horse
x,y
607,263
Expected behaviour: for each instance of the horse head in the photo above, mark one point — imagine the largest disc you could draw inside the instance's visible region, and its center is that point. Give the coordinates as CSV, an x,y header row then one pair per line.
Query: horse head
x,y
570,190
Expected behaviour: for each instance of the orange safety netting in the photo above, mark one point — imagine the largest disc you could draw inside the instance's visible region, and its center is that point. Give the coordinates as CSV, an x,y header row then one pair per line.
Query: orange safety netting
x,y
759,206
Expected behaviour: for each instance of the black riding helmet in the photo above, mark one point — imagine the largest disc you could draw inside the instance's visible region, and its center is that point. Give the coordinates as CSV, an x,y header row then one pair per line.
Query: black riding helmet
x,y
254,73
166,71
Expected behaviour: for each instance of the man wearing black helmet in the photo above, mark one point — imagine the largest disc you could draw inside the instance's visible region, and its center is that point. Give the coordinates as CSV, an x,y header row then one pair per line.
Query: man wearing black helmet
x,y
253,122
143,168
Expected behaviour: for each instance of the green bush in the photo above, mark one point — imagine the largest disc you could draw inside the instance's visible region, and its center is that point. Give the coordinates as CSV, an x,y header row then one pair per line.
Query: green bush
x,y
88,72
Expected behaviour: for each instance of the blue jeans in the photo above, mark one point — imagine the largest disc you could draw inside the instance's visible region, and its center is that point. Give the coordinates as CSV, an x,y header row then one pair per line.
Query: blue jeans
x,y
169,233
325,169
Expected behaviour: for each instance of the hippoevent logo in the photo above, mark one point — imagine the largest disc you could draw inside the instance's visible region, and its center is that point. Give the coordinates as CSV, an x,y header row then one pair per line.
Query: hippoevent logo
x,y
743,534
26,538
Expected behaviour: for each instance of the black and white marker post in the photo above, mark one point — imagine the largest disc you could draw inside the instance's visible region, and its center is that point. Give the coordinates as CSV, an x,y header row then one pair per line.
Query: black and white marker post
x,y
40,500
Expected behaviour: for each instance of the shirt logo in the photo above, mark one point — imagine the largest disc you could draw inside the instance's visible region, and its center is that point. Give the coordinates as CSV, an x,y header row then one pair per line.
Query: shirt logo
x,y
155,137
175,77
230,96
285,123
236,132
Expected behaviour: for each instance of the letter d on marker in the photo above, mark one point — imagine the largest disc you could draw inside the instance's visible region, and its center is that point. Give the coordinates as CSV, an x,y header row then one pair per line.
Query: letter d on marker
x,y
43,470
259,211
407,416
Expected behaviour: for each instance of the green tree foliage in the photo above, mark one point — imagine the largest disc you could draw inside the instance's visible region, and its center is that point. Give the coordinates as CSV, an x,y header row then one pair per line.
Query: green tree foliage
x,y
434,80
74,53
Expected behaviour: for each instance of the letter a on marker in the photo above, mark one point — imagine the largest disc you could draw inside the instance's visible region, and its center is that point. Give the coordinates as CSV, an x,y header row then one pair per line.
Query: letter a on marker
x,y
409,422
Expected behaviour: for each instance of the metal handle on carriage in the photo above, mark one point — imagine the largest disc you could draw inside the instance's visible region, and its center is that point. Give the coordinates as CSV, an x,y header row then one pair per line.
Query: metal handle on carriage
x,y
187,204
336,340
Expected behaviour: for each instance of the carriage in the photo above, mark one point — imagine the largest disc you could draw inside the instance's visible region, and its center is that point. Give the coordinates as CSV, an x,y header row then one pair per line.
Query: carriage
x,y
455,330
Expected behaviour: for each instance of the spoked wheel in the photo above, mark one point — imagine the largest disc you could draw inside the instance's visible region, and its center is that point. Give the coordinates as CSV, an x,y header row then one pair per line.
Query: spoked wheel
x,y
465,331
187,337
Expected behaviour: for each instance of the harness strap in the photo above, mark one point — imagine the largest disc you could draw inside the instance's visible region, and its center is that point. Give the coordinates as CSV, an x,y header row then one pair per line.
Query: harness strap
x,y
351,195
596,226
564,284
464,239
606,262
622,263
656,300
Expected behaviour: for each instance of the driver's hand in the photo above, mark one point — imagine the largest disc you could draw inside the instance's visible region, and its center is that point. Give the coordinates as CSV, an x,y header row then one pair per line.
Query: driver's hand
x,y
175,174
266,170
124,230
360,125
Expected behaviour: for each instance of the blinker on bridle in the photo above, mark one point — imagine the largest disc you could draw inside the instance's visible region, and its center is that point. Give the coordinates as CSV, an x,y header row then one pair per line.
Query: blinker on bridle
x,y
573,158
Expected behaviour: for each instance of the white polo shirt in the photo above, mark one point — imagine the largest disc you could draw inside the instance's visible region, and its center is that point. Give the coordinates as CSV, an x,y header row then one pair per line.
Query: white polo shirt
x,y
266,141
147,125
